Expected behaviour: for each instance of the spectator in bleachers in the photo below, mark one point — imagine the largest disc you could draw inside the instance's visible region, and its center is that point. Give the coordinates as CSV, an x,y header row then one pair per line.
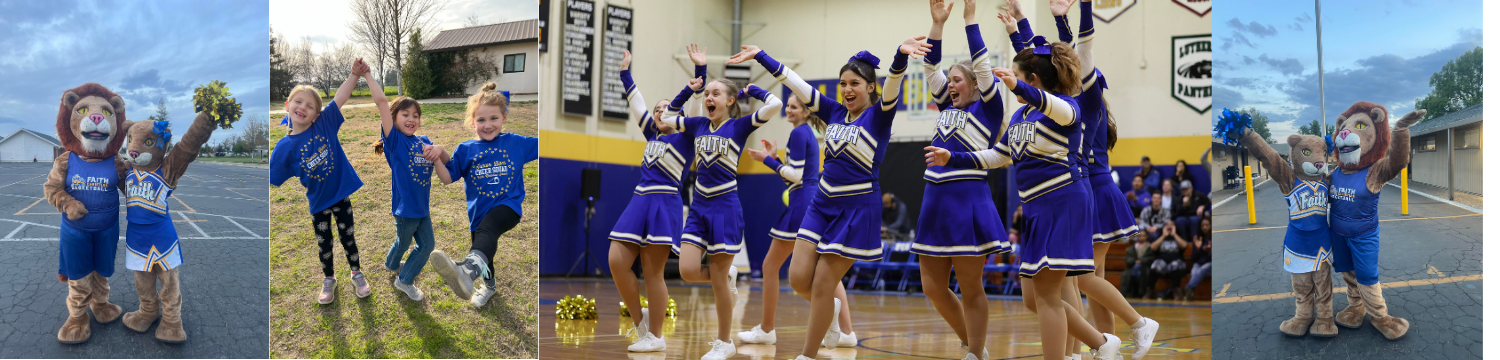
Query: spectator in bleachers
x,y
1138,259
1169,263
1202,255
1153,218
1180,173
1169,196
895,225
1150,174
1139,197
1193,207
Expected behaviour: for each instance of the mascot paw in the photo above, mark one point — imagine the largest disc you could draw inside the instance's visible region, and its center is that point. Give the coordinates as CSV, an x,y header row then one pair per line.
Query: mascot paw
x,y
1323,327
171,332
106,313
1411,118
1393,328
1296,326
75,210
75,330
1352,317
140,320
62,279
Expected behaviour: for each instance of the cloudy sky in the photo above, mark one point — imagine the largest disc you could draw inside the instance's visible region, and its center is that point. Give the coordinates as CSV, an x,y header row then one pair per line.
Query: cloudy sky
x,y
1381,51
143,51
325,23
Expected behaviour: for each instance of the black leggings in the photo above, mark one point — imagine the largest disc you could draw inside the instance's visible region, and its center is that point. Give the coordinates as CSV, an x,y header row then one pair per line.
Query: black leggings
x,y
486,237
341,214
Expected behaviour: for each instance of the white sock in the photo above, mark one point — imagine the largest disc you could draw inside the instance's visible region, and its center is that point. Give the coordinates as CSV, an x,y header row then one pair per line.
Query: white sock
x,y
1139,323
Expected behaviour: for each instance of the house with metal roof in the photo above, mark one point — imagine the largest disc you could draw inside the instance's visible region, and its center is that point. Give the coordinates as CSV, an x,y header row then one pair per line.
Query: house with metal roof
x,y
26,145
1446,151
512,45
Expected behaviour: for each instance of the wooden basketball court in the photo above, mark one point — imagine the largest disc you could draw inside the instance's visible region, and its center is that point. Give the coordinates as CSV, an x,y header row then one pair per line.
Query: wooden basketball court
x,y
891,325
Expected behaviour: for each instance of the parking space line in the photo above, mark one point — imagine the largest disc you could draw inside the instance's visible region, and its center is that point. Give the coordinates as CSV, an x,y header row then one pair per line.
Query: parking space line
x,y
28,207
1286,295
179,201
18,182
13,232
195,226
242,227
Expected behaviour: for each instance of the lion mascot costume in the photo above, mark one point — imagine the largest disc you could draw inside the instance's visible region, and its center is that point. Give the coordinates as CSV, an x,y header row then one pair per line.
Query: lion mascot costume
x,y
1306,250
153,168
82,185
1370,153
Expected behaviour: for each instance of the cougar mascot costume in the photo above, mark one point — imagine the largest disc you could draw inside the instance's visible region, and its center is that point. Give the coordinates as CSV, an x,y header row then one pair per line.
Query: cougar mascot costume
x,y
1370,153
82,185
153,168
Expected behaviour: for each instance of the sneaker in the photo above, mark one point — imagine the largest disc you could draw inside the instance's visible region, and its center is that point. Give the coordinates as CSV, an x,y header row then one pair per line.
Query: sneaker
x,y
643,326
970,356
326,295
985,356
410,290
482,296
398,267
646,342
462,285
721,350
1143,335
848,340
361,287
757,336
734,277
1110,349
831,337
804,357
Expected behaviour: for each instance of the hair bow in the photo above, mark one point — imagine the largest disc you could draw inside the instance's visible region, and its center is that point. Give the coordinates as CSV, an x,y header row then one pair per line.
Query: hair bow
x,y
507,97
163,134
866,57
285,120
1042,46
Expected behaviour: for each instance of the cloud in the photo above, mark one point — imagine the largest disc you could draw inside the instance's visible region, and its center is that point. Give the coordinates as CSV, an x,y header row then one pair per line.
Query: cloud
x,y
1295,26
1253,27
1386,79
1288,66
1227,98
1280,129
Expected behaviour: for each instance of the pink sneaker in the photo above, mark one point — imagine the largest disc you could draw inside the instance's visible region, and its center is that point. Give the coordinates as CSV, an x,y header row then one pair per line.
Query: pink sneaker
x,y
325,296
361,287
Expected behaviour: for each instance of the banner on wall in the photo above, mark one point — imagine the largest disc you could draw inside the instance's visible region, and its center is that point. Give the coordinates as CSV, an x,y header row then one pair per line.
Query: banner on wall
x,y
618,26
1109,10
545,9
1192,71
578,58
1199,7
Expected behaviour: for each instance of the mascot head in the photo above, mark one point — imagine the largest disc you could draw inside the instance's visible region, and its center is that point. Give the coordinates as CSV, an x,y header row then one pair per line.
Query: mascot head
x,y
1362,135
91,121
1308,155
147,143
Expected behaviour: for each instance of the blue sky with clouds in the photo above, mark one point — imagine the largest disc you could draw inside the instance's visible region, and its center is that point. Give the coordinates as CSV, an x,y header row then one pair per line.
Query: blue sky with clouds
x,y
143,50
1382,51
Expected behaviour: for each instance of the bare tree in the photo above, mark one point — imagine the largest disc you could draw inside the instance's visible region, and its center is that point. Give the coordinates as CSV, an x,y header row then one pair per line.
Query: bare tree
x,y
333,65
384,25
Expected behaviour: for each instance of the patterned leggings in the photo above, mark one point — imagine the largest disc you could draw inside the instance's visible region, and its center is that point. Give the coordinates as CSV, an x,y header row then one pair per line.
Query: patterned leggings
x,y
342,214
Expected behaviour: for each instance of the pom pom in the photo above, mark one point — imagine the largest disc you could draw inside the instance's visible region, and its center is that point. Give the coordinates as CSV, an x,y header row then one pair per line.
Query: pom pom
x,y
215,100
1327,145
1230,125
576,308
671,307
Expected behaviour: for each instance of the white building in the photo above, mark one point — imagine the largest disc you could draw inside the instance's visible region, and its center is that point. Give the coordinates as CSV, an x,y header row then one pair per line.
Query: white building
x,y
28,145
512,45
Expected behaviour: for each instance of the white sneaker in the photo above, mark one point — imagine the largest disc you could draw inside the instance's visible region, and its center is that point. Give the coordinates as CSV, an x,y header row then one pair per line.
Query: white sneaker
x,y
804,357
721,350
757,336
970,356
1143,335
831,338
645,342
1110,349
643,326
848,340
481,296
734,278
410,290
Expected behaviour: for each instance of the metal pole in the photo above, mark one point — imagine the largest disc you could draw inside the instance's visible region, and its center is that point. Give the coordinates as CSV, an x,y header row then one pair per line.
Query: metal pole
x,y
1322,111
1451,144
734,45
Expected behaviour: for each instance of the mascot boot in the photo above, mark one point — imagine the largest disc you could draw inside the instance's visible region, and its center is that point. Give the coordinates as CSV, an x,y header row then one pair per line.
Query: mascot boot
x,y
1302,288
76,329
170,330
1393,328
104,312
1353,316
141,319
1322,301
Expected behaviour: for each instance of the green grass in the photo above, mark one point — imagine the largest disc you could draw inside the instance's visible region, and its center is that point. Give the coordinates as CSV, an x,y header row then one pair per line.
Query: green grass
x,y
387,324
235,159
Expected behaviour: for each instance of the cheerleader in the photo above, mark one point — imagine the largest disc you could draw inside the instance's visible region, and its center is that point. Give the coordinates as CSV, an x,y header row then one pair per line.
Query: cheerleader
x,y
800,170
652,221
715,222
1042,140
843,223
959,226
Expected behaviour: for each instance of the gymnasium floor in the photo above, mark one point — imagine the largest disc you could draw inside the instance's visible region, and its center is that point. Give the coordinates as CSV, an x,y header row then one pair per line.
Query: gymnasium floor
x,y
1430,268
890,326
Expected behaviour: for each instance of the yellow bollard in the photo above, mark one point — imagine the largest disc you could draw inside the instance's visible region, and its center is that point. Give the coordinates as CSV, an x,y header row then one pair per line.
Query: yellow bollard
x,y
1403,193
1250,193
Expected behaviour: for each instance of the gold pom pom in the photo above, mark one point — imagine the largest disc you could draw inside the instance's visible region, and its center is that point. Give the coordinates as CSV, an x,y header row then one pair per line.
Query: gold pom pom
x,y
576,308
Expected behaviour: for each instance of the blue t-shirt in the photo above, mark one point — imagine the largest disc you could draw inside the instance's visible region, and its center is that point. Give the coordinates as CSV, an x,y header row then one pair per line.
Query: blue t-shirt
x,y
492,172
411,174
317,157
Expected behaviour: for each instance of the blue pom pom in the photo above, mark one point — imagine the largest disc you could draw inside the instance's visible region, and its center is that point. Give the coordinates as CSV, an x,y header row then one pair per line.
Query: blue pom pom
x,y
1327,145
1230,125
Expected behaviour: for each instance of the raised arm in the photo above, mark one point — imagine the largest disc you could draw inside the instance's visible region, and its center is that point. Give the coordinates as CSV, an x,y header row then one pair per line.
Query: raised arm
x,y
695,87
937,80
817,102
186,150
1060,16
765,113
346,89
890,91
1016,25
1050,105
1398,154
1085,43
1280,170
382,106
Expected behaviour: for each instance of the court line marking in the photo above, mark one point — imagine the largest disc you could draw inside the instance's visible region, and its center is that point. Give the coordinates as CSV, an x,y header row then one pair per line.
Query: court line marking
x,y
1386,220
1407,283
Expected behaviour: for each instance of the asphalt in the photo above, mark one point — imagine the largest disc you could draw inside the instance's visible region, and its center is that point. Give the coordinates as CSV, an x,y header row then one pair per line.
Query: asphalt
x,y
1430,264
220,212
